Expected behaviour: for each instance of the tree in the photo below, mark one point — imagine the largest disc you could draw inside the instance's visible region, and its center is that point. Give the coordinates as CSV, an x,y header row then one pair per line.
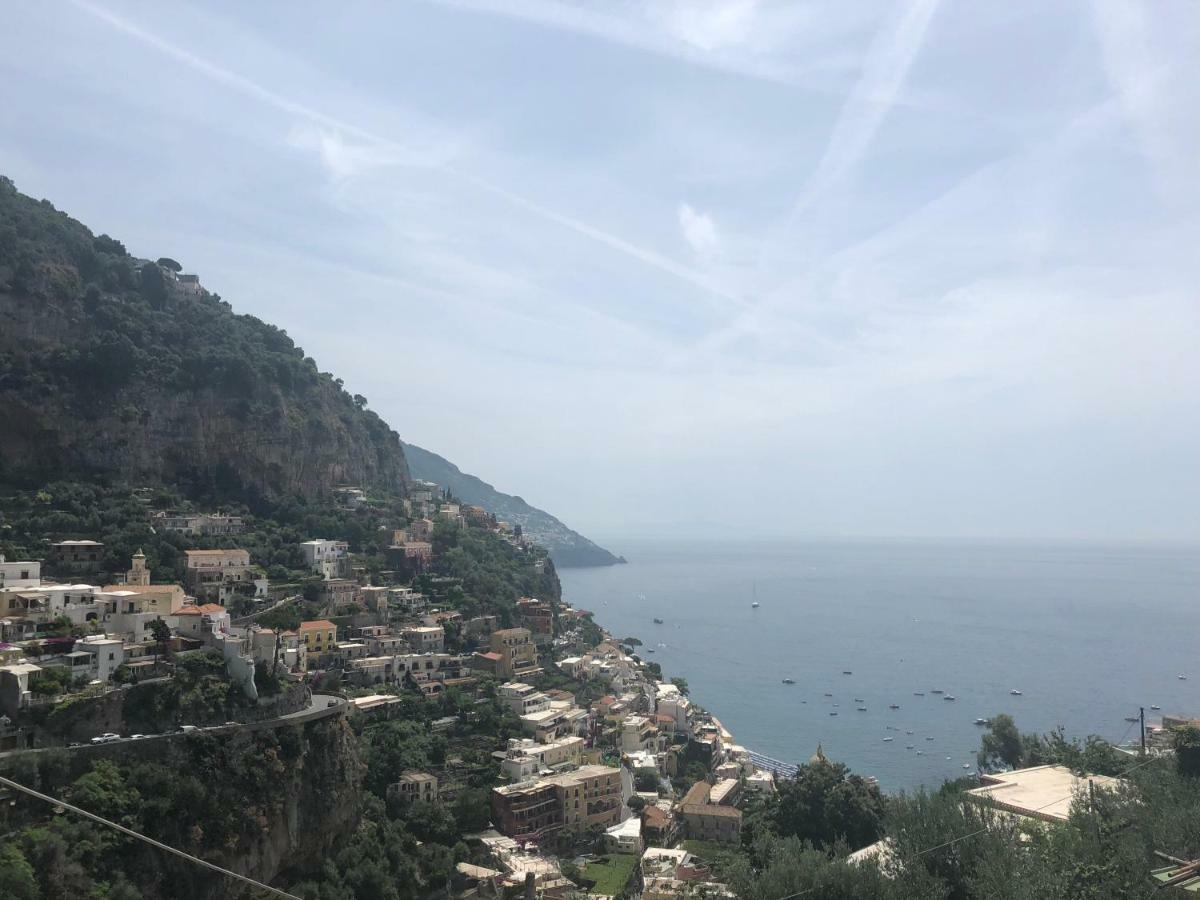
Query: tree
x,y
1186,741
646,781
1001,746
824,803
680,683
16,874
161,632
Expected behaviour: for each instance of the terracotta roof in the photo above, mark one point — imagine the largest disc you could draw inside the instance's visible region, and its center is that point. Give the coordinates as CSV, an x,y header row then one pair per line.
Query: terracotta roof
x,y
655,817
315,624
492,656
207,609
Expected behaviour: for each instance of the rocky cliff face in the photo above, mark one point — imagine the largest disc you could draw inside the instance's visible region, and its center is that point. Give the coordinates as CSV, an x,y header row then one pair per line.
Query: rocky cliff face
x,y
110,367
259,803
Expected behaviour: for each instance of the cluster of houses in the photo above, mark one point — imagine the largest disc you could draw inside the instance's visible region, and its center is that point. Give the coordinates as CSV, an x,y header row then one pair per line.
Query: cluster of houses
x,y
577,771
574,771
80,632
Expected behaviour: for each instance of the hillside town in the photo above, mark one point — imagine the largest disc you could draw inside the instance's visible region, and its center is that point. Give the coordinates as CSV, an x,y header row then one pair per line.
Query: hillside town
x,y
602,776
609,760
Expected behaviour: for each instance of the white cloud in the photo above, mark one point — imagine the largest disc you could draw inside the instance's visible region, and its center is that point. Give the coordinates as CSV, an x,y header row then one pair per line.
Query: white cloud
x,y
698,229
710,26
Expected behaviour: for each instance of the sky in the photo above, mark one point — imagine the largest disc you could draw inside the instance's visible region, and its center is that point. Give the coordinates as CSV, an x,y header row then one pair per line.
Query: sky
x,y
717,268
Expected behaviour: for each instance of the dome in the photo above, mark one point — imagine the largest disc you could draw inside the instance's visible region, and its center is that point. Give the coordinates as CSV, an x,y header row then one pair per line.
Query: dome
x,y
818,757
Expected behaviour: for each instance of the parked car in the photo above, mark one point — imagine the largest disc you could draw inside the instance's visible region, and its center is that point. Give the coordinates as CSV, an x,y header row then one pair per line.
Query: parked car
x,y
137,737
186,729
331,703
106,738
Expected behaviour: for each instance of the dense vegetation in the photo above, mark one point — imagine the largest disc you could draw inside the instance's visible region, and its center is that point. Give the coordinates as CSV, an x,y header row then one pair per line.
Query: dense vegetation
x,y
115,372
939,847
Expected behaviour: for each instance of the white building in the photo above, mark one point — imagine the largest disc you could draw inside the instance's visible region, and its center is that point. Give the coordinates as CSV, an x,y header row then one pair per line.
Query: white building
x,y
19,575
625,837
523,699
107,654
329,559
526,758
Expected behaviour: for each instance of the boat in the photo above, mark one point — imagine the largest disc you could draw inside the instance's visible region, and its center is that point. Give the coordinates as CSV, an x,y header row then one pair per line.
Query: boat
x,y
1156,707
937,691
861,708
649,649
982,722
893,706
918,693
754,594
1132,719
658,621
966,765
929,738
754,605
829,695
920,753
859,700
949,697
908,746
832,713
1182,677
847,672
1015,692
886,739
789,681
908,732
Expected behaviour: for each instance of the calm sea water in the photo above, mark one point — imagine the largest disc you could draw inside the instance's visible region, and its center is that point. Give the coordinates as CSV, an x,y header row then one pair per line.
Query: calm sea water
x,y
1088,633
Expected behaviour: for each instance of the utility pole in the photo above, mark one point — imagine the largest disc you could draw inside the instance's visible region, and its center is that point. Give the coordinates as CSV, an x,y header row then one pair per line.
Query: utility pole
x,y
1142,718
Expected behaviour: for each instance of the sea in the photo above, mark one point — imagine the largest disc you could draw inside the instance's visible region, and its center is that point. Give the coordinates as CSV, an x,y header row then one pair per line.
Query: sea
x,y
1088,633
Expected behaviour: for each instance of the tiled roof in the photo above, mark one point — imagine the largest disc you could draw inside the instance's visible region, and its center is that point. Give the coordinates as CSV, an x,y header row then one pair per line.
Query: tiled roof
x,y
316,624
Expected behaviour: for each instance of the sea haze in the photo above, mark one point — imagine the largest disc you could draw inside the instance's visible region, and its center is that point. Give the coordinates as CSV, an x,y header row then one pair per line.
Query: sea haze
x,y
1087,632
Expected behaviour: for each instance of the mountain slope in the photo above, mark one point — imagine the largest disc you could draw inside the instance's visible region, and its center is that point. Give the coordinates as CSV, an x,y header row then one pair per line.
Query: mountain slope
x,y
567,547
111,367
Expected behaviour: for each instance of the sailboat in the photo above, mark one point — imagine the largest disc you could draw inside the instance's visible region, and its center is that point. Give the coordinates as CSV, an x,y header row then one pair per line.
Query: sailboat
x,y
754,593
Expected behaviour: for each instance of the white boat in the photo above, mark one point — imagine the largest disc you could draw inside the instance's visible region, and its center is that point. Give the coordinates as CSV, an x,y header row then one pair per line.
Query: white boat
x,y
1156,707
790,681
937,691
754,602
886,739
949,697
1015,692
649,649
982,722
966,765
1182,677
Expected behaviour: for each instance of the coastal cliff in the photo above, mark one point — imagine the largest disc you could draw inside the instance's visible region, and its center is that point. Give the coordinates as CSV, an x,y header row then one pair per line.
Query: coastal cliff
x,y
259,803
567,548
117,367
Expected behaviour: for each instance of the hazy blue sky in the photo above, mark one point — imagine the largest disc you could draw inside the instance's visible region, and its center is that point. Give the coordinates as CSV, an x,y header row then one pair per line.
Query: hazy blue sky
x,y
720,267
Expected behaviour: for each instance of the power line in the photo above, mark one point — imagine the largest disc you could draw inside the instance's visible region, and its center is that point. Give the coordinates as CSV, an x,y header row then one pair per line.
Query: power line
x,y
7,782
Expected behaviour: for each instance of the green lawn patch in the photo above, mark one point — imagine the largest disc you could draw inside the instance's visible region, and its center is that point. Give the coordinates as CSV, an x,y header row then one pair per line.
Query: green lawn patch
x,y
611,873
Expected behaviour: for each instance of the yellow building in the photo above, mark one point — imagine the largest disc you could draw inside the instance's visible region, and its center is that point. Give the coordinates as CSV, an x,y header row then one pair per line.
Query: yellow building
x,y
319,636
